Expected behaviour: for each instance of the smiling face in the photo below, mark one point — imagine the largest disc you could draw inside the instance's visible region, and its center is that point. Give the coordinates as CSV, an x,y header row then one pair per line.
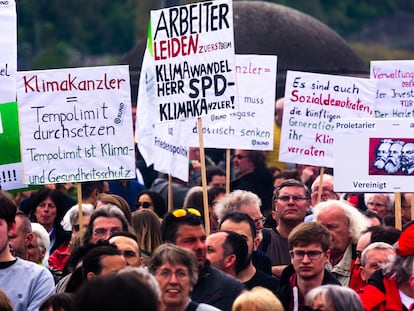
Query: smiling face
x,y
175,285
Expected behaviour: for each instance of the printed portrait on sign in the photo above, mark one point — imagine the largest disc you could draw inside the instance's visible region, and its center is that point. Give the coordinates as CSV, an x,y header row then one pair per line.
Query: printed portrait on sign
x,y
391,156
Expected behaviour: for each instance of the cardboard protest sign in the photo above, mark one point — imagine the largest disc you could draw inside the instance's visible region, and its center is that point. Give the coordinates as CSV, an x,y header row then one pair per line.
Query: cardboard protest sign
x,y
251,126
76,124
170,156
8,51
164,151
313,103
10,161
395,88
193,51
380,158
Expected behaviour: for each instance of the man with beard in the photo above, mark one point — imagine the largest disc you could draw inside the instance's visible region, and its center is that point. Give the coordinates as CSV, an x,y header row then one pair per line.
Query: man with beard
x,y
250,276
183,227
407,159
309,245
393,163
382,151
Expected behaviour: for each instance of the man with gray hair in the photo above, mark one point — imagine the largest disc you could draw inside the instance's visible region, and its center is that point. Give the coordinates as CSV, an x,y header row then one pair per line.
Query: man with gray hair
x,y
36,250
373,257
380,203
105,220
246,202
392,288
345,224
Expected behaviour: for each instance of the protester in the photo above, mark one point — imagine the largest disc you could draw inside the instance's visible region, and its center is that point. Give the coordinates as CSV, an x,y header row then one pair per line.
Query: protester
x,y
345,224
214,194
151,200
127,243
253,175
257,299
227,251
107,198
58,302
176,270
26,283
147,227
392,288
126,291
309,249
333,298
380,203
22,237
183,227
242,201
47,209
249,275
37,249
291,201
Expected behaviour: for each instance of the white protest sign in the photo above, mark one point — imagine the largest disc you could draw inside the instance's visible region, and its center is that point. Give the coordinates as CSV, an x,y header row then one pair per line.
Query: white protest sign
x,y
374,155
251,126
313,103
146,113
76,124
395,88
170,157
8,51
193,51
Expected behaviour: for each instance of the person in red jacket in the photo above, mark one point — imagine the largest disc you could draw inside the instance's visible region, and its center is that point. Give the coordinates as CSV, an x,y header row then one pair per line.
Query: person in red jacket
x,y
392,288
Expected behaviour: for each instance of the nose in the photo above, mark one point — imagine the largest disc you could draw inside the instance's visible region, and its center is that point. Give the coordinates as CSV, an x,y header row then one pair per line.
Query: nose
x,y
306,258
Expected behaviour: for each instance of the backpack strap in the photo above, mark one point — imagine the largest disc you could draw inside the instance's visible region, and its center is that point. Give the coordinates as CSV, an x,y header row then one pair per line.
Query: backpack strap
x,y
192,306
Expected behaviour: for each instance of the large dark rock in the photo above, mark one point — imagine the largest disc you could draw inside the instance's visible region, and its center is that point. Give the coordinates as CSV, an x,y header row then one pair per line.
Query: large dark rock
x,y
300,42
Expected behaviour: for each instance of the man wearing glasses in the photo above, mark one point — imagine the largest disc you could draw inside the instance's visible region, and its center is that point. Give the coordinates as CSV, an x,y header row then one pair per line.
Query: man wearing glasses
x,y
291,200
309,251
184,228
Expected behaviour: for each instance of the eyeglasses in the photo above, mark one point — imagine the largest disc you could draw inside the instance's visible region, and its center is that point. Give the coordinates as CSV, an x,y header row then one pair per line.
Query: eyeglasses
x,y
143,204
239,156
312,255
166,274
375,204
129,254
182,212
260,221
286,198
103,232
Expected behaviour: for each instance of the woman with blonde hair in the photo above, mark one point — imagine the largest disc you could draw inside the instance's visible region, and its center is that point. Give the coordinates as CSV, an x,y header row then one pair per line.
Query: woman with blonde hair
x,y
257,299
146,225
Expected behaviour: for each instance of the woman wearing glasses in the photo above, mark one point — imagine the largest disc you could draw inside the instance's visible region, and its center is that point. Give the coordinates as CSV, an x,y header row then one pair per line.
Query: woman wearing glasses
x,y
176,270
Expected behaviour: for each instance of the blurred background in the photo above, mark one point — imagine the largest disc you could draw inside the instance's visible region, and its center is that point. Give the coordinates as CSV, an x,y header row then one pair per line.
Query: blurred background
x,y
60,33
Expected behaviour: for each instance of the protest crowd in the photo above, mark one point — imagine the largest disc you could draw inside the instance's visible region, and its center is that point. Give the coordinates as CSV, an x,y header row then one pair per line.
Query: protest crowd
x,y
340,252
244,230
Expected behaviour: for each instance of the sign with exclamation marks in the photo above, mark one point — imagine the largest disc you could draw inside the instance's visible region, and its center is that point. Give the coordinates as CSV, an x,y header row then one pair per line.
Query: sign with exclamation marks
x,y
11,171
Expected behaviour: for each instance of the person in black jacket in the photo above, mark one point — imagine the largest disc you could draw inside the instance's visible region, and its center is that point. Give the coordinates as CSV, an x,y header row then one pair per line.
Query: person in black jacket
x,y
309,244
183,227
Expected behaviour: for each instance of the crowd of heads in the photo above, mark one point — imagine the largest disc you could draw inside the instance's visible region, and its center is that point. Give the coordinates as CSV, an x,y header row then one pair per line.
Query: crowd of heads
x,y
159,256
